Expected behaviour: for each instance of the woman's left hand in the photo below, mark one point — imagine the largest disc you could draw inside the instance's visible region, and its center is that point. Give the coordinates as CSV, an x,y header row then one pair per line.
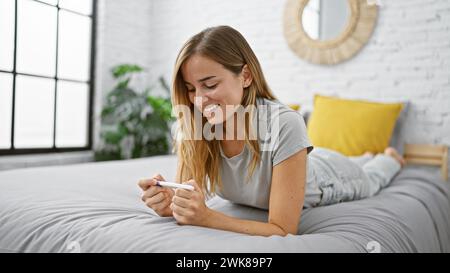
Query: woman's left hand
x,y
189,207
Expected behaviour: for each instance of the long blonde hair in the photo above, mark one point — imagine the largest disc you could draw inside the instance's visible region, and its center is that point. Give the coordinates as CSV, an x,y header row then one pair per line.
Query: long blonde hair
x,y
200,159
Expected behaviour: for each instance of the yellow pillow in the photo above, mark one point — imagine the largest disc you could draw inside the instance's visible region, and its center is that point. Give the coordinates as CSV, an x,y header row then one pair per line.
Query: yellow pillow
x,y
352,127
294,106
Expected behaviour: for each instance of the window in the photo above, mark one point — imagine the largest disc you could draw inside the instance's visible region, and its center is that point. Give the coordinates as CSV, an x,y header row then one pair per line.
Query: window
x,y
46,75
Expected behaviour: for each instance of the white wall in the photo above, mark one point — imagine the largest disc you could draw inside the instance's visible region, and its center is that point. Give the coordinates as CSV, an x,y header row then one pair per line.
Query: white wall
x,y
408,57
123,36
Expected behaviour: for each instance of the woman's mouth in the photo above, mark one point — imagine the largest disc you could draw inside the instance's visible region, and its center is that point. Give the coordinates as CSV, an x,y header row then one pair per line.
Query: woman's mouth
x,y
208,110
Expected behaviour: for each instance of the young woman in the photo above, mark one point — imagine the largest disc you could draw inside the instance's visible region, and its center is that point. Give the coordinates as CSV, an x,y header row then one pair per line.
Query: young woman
x,y
216,72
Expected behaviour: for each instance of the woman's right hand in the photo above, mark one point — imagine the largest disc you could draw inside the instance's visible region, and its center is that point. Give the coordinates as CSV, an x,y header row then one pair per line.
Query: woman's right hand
x,y
156,197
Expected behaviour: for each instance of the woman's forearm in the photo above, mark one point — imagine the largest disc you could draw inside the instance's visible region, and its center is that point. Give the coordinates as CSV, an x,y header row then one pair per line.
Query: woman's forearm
x,y
221,221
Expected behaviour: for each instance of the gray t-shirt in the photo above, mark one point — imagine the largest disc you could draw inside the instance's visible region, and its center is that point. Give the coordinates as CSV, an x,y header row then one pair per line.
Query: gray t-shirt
x,y
287,131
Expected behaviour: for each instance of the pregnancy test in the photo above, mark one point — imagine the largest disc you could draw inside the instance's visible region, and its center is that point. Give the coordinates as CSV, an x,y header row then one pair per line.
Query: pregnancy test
x,y
174,185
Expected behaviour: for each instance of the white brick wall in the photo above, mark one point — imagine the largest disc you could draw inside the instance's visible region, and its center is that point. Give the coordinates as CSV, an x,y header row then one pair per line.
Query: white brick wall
x,y
407,58
123,36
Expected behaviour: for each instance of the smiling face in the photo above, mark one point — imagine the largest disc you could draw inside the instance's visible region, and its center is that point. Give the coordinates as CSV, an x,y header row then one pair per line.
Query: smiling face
x,y
214,90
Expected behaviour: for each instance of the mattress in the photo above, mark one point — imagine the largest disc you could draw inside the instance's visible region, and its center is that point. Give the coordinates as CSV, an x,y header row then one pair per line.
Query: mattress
x,y
96,207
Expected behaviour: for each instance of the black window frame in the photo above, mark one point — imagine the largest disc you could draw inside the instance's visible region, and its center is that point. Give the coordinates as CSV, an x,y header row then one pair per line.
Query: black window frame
x,y
16,151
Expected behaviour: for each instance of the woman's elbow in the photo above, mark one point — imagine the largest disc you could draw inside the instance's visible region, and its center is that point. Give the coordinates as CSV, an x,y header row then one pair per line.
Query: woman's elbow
x,y
287,232
279,230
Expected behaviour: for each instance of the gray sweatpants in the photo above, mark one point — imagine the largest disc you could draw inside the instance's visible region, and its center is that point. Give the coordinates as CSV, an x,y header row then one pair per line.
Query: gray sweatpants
x,y
339,178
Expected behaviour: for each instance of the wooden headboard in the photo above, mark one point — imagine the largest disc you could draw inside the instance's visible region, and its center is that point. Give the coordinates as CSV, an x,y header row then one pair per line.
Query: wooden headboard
x,y
435,155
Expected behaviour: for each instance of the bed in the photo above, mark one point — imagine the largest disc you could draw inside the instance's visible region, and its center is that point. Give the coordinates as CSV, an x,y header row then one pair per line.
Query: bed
x,y
96,207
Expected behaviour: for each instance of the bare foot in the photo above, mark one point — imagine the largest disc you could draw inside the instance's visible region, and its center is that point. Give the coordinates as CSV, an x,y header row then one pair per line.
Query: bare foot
x,y
390,151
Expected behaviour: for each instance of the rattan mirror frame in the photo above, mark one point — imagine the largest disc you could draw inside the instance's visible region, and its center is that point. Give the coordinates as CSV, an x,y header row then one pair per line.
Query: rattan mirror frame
x,y
358,31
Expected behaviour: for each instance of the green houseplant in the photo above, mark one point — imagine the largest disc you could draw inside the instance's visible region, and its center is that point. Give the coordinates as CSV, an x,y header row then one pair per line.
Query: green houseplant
x,y
134,124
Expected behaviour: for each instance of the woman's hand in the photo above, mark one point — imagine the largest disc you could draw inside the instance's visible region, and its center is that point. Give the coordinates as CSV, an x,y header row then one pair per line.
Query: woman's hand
x,y
155,197
189,207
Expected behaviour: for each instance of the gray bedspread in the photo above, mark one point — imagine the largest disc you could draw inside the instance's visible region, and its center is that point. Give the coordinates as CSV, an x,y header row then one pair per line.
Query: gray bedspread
x,y
96,207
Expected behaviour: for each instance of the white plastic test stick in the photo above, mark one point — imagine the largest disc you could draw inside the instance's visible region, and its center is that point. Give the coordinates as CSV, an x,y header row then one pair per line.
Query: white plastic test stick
x,y
174,185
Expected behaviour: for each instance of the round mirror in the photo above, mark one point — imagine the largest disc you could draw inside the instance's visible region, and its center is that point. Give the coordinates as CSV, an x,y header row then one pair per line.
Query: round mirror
x,y
328,31
324,19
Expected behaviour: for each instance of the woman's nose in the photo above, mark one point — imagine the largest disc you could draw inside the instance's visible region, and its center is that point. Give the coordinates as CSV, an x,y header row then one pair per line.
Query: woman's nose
x,y
200,93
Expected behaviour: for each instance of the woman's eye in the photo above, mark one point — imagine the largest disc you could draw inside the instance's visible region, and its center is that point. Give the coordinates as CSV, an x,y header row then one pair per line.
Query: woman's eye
x,y
211,86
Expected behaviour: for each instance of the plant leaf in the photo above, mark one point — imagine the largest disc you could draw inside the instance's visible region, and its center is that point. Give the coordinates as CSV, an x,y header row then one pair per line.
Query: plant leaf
x,y
124,69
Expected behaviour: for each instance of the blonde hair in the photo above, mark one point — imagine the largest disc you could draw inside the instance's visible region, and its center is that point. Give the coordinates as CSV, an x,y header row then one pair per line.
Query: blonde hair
x,y
200,159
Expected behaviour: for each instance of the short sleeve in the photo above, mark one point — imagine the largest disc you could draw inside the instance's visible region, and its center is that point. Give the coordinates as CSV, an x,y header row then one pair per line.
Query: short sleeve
x,y
292,136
